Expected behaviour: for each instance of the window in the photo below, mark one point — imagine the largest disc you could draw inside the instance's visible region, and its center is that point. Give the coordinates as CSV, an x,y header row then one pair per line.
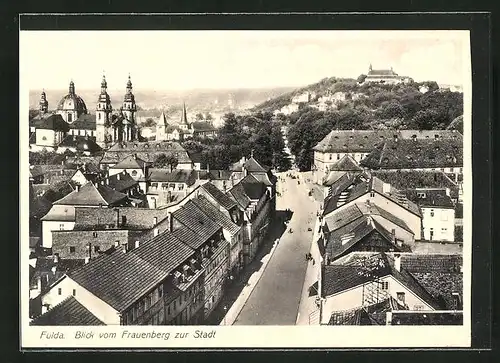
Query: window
x,y
418,307
372,194
421,195
338,156
61,227
432,212
59,291
160,291
331,156
444,230
401,297
96,249
72,249
134,172
74,292
94,234
385,285
99,115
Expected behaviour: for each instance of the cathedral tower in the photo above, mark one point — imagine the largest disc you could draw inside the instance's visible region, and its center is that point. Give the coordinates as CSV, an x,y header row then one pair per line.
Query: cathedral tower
x,y
44,104
128,111
103,114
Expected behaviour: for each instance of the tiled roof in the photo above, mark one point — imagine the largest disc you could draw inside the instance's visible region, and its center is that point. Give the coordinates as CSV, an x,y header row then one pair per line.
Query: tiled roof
x,y
135,218
345,141
176,176
338,278
201,126
346,163
254,189
239,195
430,198
342,217
84,122
67,312
217,216
190,238
364,141
121,182
219,174
193,218
413,154
381,72
263,178
252,166
60,213
147,151
81,143
355,232
417,263
53,122
219,196
92,195
121,278
374,209
333,177
131,162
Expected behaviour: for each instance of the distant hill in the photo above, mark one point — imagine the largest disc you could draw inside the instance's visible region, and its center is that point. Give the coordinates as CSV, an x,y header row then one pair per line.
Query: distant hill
x,y
199,100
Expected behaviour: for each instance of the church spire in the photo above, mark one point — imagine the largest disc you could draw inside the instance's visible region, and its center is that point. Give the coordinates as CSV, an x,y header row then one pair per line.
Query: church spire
x,y
129,84
184,114
104,84
72,87
44,104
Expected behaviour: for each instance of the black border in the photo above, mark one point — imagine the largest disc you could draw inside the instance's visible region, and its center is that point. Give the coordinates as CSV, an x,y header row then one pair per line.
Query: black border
x,y
478,23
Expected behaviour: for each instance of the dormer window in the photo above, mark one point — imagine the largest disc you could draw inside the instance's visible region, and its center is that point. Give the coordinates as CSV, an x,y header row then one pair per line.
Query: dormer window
x,y
421,195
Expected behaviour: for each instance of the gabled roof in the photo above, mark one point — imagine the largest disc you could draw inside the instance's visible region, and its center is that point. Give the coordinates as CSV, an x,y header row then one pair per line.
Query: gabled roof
x,y
60,213
251,165
414,154
202,126
120,182
67,312
120,279
92,195
217,216
342,217
339,278
84,122
130,162
347,237
239,195
348,189
430,197
346,163
53,122
176,176
219,196
381,72
254,189
194,219
373,209
81,143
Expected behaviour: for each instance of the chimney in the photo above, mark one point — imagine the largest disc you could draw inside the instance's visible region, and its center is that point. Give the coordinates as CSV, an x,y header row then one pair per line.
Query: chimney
x,y
39,284
208,168
56,258
135,156
395,137
397,262
137,243
44,309
117,243
89,250
368,220
170,222
87,260
124,247
447,191
117,212
107,181
155,221
118,176
386,188
156,232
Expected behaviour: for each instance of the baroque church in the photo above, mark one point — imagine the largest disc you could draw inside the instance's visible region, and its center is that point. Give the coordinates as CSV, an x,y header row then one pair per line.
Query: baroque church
x,y
72,120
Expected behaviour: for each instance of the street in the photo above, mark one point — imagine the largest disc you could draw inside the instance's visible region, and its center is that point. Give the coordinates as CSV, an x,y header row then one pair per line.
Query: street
x,y
276,297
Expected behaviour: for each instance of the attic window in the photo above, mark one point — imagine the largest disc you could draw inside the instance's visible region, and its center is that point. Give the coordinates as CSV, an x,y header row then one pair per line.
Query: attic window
x,y
361,145
437,148
351,137
409,157
336,137
366,137
421,195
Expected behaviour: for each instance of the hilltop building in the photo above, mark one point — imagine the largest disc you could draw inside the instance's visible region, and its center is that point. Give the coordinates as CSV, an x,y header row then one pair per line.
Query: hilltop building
x,y
387,76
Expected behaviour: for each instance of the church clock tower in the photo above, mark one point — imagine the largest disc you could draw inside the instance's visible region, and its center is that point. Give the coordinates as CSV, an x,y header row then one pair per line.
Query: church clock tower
x,y
44,104
128,111
103,113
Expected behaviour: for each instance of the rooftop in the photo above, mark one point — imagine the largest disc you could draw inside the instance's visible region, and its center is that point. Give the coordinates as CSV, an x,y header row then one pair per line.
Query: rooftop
x,y
92,195
193,218
147,151
84,122
429,197
219,196
67,312
131,162
346,163
121,278
414,154
175,176
53,122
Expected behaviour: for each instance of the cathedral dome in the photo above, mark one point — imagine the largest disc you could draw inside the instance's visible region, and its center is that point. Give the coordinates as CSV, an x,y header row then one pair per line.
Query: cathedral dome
x,y
72,102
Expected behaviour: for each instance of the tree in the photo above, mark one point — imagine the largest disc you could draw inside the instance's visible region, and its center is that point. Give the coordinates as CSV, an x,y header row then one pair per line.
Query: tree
x,y
361,78
163,161
209,117
149,122
199,117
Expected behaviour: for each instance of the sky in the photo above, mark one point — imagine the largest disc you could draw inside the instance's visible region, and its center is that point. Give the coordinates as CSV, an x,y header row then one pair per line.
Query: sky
x,y
182,60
